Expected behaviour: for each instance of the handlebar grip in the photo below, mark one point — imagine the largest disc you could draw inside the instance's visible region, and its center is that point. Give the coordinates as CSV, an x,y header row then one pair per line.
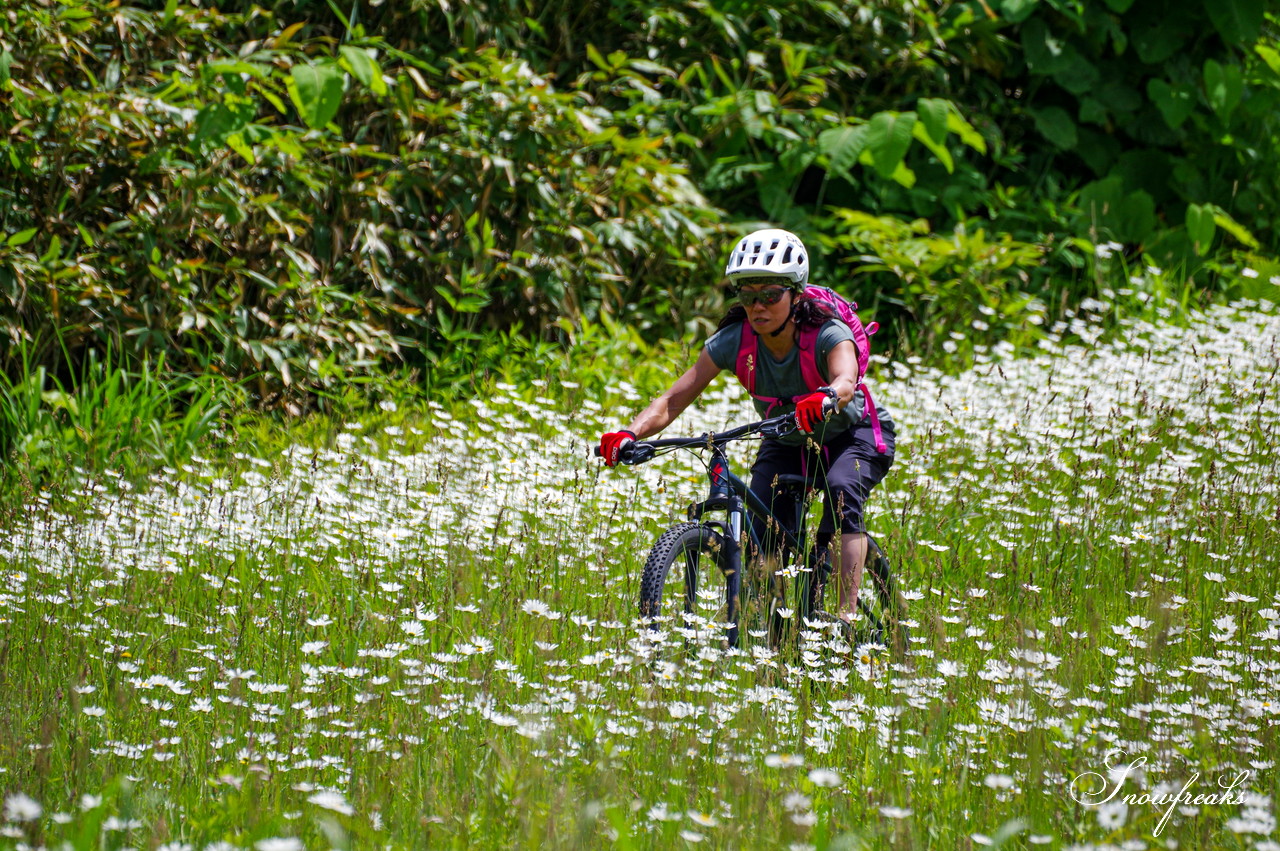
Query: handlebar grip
x,y
634,452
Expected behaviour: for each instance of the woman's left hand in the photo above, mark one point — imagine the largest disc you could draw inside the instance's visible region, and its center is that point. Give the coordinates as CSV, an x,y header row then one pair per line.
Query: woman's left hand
x,y
812,409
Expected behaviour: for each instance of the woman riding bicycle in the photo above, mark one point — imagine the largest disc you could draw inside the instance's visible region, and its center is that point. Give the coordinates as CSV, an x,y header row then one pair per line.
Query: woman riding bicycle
x,y
835,451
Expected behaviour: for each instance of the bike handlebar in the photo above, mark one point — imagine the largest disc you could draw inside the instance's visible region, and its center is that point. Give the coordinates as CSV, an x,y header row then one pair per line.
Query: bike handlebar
x,y
644,450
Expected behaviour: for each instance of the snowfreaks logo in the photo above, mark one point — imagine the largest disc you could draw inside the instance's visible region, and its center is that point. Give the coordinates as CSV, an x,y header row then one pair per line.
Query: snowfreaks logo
x,y
1093,789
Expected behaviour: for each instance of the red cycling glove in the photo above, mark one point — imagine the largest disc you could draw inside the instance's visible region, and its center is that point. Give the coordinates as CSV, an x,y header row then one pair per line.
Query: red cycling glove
x,y
611,443
811,409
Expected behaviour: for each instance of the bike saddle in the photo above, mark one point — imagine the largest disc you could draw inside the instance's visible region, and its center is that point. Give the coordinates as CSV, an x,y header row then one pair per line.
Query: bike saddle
x,y
791,483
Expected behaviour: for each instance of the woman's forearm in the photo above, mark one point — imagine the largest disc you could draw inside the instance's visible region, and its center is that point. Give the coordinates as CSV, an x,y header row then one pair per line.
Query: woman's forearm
x,y
654,418
664,409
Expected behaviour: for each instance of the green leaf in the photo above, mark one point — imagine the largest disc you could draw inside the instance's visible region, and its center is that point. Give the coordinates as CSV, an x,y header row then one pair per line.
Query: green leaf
x,y
60,400
594,55
22,237
1136,216
644,66
796,159
1223,219
1046,54
1175,104
775,198
888,138
55,250
1129,216
233,68
1269,55
1239,21
316,91
274,100
940,151
959,125
237,143
1056,126
1200,227
214,121
1092,111
1157,40
364,68
842,146
904,175
933,117
1076,74
1223,86
1118,97
1017,11
6,60
286,143
1119,6
462,302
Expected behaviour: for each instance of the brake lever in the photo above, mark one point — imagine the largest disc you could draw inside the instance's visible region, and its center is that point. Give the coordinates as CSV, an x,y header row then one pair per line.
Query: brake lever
x,y
781,429
636,453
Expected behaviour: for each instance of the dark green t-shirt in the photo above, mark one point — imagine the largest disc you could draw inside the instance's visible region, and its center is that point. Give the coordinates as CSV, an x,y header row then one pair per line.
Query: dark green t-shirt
x,y
783,379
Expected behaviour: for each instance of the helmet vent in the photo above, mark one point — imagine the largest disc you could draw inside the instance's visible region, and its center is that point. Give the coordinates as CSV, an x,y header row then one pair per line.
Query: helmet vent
x,y
771,251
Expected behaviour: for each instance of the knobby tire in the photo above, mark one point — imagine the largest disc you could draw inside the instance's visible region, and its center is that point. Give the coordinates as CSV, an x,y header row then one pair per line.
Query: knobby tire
x,y
681,544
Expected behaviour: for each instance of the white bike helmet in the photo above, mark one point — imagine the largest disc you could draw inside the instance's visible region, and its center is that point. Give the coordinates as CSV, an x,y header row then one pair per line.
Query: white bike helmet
x,y
772,252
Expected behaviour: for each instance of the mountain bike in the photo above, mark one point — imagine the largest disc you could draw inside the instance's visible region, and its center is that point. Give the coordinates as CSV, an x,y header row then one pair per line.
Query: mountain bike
x,y
700,544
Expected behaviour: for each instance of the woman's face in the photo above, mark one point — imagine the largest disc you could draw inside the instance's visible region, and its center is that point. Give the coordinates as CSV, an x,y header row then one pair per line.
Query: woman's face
x,y
755,295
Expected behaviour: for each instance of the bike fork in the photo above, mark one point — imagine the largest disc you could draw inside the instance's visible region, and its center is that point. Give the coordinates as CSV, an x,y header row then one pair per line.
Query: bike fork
x,y
733,568
723,496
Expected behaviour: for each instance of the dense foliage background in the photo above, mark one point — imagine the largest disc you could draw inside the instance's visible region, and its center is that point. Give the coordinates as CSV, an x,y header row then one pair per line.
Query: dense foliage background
x,y
294,195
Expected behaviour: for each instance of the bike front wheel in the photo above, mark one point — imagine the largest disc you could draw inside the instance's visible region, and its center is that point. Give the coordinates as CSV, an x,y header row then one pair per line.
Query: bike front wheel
x,y
682,557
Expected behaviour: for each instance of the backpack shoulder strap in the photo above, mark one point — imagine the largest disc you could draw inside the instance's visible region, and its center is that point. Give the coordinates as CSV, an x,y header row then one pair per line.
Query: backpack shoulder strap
x,y
808,355
745,365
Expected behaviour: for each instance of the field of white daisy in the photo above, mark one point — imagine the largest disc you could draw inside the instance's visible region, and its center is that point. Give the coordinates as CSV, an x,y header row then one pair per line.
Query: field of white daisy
x,y
421,632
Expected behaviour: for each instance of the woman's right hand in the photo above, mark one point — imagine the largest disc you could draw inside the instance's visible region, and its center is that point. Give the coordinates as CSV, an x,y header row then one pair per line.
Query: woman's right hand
x,y
612,443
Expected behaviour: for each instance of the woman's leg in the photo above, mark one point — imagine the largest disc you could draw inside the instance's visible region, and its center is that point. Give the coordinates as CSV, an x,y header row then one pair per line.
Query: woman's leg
x,y
853,467
773,460
853,557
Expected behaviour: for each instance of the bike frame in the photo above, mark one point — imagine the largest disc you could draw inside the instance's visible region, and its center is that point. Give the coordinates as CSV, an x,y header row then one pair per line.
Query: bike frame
x,y
730,494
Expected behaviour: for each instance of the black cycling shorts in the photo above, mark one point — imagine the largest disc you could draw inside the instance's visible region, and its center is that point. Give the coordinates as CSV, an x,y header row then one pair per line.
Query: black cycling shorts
x,y
844,470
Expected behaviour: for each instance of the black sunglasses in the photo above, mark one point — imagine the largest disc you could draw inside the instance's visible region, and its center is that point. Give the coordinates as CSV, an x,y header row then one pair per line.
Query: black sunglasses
x,y
771,296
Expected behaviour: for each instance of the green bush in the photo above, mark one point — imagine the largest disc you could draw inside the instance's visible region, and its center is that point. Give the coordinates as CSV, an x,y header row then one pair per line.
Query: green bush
x,y
962,287
300,198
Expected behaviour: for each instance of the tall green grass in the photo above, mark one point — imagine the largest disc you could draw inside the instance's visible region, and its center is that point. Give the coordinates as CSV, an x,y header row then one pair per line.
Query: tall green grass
x,y
103,415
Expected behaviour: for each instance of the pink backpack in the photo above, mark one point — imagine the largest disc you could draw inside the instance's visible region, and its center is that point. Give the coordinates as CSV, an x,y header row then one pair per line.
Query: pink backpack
x,y
748,352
